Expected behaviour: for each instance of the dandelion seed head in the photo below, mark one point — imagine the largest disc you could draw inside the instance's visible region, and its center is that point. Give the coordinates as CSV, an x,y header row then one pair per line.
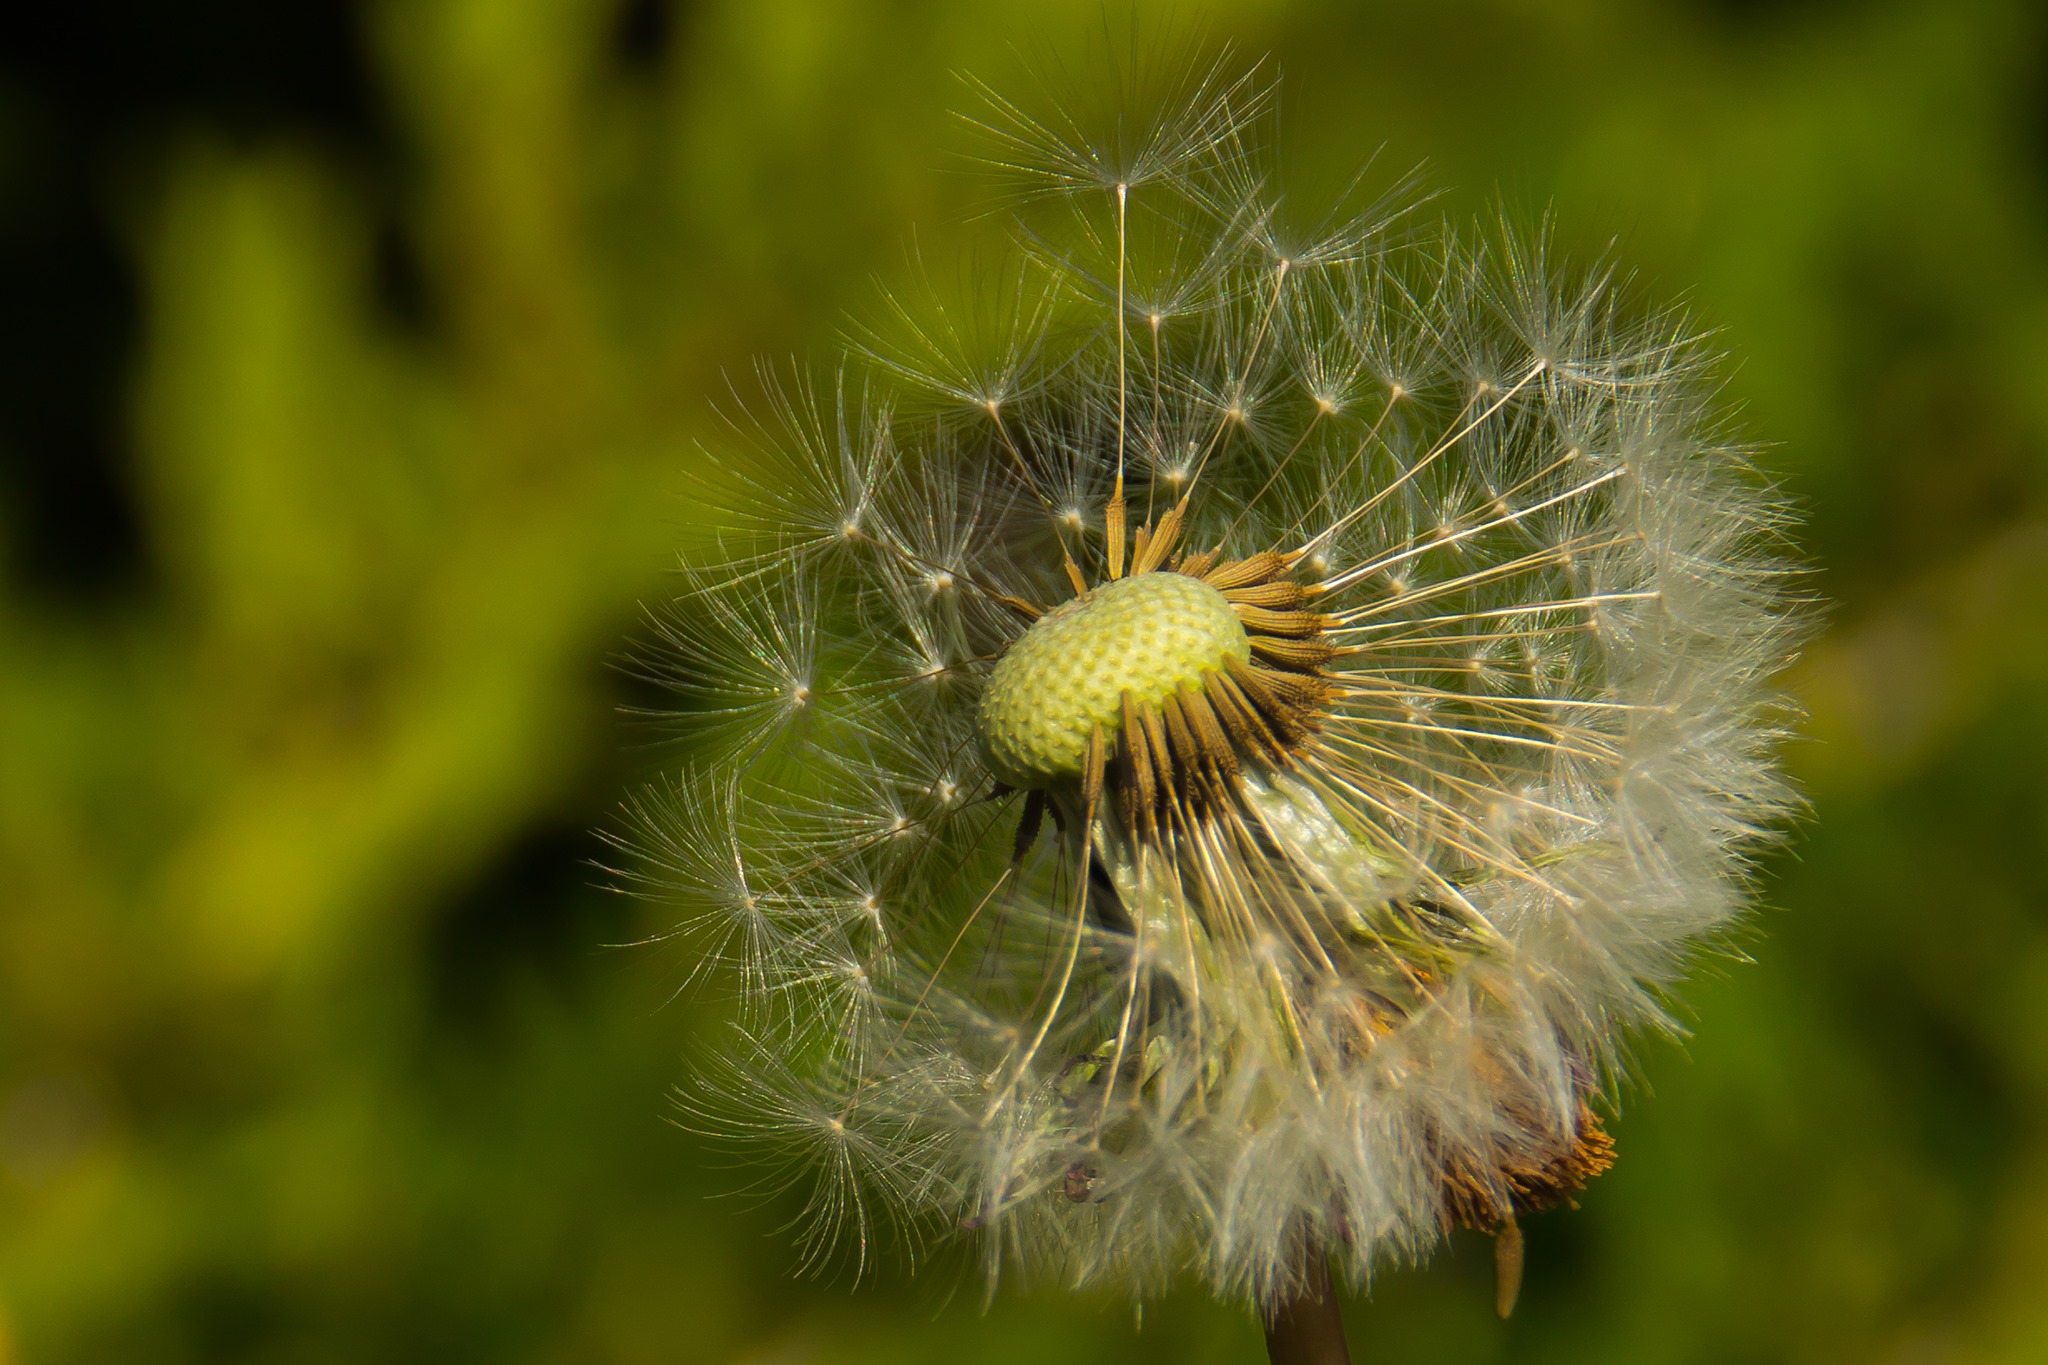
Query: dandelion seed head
x,y
1215,762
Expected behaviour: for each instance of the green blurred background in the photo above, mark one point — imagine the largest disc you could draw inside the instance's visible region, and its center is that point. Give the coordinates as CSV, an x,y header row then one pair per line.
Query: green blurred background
x,y
349,358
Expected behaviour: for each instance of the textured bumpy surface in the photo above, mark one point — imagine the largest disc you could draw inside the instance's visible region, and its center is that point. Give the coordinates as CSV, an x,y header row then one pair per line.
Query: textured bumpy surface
x,y
1068,673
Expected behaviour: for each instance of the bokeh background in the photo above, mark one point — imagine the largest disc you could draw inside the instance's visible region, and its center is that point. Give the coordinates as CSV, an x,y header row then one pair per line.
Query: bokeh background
x,y
349,355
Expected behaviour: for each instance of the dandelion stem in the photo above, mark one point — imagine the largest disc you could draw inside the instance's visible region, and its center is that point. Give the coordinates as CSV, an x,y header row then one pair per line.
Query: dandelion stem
x,y
1308,1329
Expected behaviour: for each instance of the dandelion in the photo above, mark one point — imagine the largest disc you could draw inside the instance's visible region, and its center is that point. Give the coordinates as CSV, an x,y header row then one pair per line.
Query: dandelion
x,y
1208,781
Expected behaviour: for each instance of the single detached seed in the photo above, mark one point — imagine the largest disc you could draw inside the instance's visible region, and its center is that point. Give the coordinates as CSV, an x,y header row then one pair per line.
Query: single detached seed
x,y
1067,674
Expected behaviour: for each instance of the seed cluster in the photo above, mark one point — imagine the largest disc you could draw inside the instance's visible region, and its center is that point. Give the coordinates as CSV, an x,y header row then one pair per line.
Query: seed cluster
x,y
1181,756
1394,769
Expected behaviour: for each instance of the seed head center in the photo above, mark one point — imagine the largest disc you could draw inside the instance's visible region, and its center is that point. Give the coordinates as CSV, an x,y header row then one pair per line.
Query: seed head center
x,y
1147,635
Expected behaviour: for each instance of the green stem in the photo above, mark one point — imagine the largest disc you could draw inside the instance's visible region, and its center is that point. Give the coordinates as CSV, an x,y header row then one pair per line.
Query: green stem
x,y
1309,1329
